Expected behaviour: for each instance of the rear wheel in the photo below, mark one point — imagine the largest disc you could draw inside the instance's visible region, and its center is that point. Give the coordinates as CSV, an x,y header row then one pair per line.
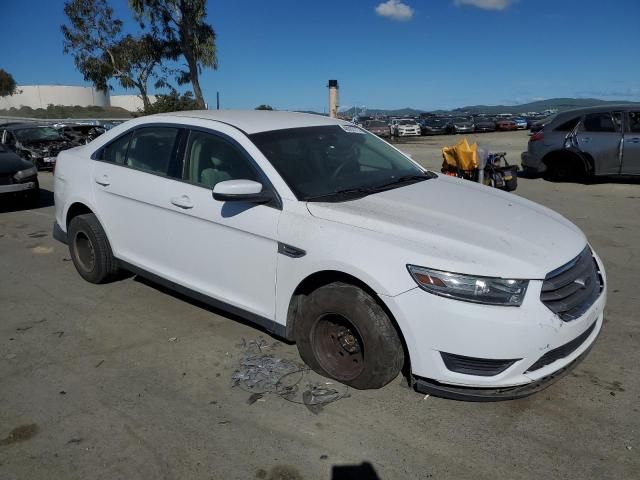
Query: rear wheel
x,y
565,168
90,250
344,334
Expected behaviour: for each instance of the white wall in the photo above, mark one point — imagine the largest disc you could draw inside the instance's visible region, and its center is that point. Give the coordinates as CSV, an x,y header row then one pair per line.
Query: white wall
x,y
39,96
133,103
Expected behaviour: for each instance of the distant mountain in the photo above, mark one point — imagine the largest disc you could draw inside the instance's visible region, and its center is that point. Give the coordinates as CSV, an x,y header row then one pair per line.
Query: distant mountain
x,y
540,106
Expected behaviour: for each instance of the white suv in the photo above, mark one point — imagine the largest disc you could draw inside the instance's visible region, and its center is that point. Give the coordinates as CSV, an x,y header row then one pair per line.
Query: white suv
x,y
325,235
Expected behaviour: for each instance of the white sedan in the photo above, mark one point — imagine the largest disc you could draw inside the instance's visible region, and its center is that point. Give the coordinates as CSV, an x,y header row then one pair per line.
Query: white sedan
x,y
323,234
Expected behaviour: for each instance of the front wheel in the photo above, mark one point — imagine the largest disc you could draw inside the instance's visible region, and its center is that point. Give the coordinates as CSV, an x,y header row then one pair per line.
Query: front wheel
x,y
344,334
90,250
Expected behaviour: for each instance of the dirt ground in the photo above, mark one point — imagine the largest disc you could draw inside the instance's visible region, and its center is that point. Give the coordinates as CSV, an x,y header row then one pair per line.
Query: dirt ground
x,y
127,381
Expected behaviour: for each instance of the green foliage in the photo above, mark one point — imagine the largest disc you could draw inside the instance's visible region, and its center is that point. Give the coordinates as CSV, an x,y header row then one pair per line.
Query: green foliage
x,y
7,84
185,34
172,102
102,52
264,107
64,111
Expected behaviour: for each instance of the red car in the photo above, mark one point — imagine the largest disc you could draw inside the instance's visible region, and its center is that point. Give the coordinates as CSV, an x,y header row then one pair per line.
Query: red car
x,y
506,125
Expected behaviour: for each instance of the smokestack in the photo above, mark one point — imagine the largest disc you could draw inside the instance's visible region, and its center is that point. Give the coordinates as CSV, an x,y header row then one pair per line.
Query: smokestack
x,y
333,98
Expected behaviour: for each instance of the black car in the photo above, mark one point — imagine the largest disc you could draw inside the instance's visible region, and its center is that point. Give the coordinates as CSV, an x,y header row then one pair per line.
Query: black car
x,y
40,144
18,177
485,124
433,126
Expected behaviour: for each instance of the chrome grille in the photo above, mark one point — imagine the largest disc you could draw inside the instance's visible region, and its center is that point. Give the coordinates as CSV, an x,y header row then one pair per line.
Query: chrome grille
x,y
570,290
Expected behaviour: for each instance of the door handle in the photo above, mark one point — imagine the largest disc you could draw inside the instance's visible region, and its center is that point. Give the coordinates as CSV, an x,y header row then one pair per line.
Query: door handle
x,y
103,180
182,201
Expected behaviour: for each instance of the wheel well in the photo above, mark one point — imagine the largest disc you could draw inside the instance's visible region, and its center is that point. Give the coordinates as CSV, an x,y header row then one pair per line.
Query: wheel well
x,y
319,279
567,155
75,210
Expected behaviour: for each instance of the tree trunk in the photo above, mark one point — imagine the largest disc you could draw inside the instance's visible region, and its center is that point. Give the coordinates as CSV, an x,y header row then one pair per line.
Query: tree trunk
x,y
195,80
144,96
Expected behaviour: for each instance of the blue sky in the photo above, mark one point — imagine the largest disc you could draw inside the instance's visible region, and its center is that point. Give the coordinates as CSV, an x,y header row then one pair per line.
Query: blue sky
x,y
425,54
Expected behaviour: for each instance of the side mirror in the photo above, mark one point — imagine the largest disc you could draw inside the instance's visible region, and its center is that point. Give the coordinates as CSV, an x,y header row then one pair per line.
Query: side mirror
x,y
241,191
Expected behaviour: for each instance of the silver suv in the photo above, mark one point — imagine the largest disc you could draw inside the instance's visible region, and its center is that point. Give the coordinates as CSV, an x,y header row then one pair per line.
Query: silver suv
x,y
589,141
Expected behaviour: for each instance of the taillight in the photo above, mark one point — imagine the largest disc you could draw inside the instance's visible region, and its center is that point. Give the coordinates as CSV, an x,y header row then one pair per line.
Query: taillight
x,y
537,136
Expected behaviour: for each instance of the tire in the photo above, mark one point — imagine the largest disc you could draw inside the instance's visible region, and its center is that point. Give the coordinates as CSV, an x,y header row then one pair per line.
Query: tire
x,y
563,169
90,250
344,334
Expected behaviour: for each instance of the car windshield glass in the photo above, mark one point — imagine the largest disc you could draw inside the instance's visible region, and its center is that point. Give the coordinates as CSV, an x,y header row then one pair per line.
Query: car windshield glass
x,y
407,122
376,123
37,134
334,163
461,120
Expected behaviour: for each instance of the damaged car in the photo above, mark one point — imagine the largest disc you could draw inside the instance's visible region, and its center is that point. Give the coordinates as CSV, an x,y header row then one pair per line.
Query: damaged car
x,y
80,134
322,233
38,144
18,177
596,141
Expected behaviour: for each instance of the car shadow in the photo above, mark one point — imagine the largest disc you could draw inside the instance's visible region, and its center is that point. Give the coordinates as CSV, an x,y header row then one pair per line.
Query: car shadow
x,y
617,179
16,203
197,303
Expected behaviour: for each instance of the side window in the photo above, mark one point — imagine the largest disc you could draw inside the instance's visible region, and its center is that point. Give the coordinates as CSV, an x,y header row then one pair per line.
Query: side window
x,y
634,122
212,159
598,122
568,126
152,148
617,121
116,151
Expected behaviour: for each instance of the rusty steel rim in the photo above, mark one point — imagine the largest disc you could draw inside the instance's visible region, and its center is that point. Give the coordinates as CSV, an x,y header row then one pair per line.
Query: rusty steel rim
x,y
338,347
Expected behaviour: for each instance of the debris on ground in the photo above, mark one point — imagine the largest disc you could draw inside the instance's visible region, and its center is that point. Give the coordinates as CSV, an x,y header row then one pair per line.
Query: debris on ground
x,y
261,372
173,339
99,363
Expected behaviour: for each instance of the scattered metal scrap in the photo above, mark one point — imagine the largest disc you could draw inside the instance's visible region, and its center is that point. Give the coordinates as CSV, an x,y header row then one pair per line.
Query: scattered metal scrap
x,y
261,372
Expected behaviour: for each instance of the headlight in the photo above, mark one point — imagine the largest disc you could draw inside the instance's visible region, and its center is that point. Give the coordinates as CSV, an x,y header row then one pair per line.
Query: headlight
x,y
29,172
468,288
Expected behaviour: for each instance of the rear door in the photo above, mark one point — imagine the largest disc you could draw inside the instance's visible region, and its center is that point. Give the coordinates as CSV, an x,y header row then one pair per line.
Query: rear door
x,y
600,136
631,148
131,180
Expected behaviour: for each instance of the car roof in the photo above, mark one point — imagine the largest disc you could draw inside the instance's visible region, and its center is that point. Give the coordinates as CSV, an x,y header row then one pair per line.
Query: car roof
x,y
21,126
255,121
567,114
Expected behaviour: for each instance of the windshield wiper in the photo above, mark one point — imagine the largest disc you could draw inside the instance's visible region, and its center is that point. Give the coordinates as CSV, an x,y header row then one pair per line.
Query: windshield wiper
x,y
414,178
341,195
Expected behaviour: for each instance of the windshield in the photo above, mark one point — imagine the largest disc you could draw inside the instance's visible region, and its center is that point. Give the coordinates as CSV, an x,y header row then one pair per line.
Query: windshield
x,y
319,163
376,123
37,134
461,120
407,122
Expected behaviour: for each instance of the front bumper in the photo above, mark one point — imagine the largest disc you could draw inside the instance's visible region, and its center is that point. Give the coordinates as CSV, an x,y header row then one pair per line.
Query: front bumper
x,y
432,325
409,133
18,187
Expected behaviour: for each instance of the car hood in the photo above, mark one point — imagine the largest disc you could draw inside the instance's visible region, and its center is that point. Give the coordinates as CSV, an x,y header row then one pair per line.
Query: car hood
x,y
408,126
12,163
456,225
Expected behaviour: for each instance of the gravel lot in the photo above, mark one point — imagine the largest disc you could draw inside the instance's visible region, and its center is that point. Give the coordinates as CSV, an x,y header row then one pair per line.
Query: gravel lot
x,y
128,381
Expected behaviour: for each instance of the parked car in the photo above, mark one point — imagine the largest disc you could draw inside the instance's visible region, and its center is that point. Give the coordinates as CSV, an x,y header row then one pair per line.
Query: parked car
x,y
80,134
521,123
584,142
378,127
328,236
18,177
461,125
433,126
404,127
39,144
484,124
537,125
505,125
